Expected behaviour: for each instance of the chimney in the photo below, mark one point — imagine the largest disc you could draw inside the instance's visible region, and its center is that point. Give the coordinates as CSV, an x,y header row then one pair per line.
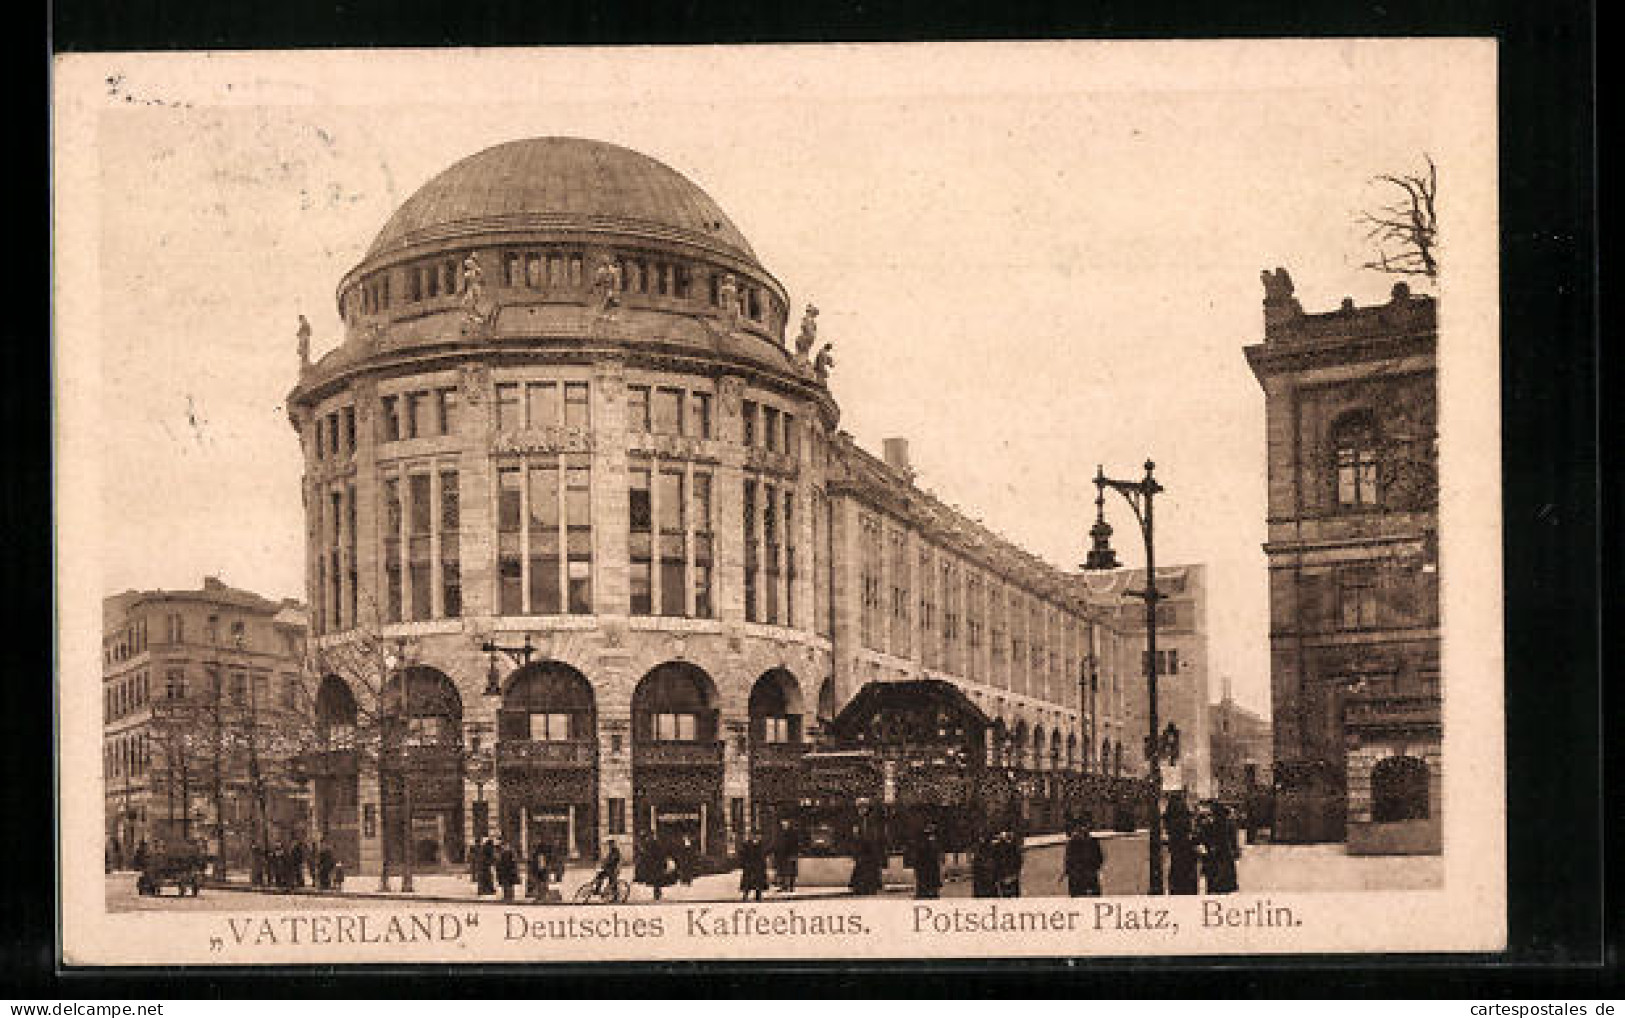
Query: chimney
x,y
896,456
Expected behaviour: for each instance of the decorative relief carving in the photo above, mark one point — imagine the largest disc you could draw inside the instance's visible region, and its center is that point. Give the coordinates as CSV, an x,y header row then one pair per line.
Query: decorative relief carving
x,y
809,333
757,458
670,446
824,362
479,307
365,393
304,345
554,439
730,392
475,382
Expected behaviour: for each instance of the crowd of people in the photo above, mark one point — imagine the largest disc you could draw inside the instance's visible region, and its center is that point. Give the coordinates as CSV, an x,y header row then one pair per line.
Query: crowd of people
x,y
289,864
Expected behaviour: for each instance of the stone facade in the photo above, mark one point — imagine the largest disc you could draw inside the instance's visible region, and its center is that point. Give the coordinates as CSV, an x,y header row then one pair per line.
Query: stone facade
x,y
1352,550
584,496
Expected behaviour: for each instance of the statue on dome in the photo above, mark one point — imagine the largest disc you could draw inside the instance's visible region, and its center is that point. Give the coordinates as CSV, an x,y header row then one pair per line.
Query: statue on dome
x,y
304,345
606,285
823,362
479,309
809,332
728,297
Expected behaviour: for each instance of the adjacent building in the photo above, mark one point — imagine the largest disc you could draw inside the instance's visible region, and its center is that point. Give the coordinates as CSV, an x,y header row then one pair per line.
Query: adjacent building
x,y
1352,551
201,694
588,555
1242,751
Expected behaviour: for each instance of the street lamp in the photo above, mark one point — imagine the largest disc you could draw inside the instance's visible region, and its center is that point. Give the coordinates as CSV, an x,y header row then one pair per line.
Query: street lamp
x,y
395,661
1140,495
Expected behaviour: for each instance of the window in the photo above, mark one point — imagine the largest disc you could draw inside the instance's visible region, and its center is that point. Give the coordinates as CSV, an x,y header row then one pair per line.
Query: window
x,y
419,535
1354,442
393,522
771,547
349,429
667,411
333,433
752,552
641,553
1357,599
1167,662
510,570
789,557
389,415
549,727
770,428
637,408
699,422
510,413
750,413
576,411
700,520
544,540
670,505
675,727
1399,790
776,729
451,572
175,684
542,405
578,524
446,403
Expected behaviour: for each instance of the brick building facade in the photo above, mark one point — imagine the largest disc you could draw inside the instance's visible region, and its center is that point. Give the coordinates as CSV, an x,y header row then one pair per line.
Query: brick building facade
x,y
1352,551
566,419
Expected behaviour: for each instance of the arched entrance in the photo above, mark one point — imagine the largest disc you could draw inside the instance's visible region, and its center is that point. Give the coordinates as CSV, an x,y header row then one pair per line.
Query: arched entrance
x,y
423,747
1399,790
776,749
335,772
677,761
547,760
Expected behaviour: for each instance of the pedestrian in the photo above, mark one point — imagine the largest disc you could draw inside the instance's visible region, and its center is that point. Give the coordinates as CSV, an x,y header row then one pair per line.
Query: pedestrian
x,y
652,865
1218,852
1083,859
115,859
536,872
507,870
868,865
324,867
1007,862
1181,847
984,879
473,858
138,861
787,856
338,874
687,860
486,874
296,864
752,868
926,862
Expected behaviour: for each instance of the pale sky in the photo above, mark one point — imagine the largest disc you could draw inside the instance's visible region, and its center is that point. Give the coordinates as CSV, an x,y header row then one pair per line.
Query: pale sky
x,y
1031,259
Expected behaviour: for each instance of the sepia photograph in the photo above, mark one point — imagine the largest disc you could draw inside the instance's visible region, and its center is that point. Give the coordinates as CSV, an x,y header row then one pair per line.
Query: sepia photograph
x,y
750,502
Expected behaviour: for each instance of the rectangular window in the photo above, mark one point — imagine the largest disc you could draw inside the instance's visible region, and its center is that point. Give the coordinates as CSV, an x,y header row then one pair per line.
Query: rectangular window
x,y
751,551
510,569
389,416
451,571
673,553
617,816
1357,599
393,521
637,409
421,515
417,415
512,274
446,405
776,729
576,411
641,548
509,412
700,520
789,558
790,444
699,419
544,541
543,407
770,550
668,411
349,429
770,428
546,727
675,727
333,433
750,413
578,524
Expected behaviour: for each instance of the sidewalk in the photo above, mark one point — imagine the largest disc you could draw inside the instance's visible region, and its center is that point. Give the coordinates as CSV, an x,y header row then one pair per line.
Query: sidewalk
x,y
456,888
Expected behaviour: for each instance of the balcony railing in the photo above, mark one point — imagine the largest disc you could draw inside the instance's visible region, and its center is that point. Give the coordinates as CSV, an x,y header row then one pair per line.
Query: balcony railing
x,y
677,754
545,753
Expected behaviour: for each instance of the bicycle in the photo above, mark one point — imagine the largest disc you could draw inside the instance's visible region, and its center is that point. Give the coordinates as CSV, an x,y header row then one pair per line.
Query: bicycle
x,y
615,893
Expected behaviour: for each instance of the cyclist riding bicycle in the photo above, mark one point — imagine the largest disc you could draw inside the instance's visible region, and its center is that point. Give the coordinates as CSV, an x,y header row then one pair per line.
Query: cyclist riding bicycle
x,y
609,871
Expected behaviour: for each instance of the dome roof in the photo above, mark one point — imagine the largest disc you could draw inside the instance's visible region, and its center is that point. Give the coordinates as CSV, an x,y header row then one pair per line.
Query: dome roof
x,y
559,183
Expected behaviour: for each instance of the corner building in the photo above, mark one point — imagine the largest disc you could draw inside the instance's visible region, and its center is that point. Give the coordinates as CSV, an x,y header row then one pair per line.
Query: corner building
x,y
563,419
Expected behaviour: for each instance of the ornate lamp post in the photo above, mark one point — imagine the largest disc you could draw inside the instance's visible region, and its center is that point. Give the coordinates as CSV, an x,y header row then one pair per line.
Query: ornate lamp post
x,y
1141,496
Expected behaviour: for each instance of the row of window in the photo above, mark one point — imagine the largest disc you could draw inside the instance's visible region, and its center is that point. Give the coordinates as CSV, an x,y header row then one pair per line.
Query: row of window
x,y
422,545
127,756
537,405
768,427
558,269
544,536
124,696
671,553
126,643
132,640
1167,662
959,612
659,411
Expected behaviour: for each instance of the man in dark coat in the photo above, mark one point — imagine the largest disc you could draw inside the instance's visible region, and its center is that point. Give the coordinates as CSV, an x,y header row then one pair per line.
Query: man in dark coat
x,y
1007,862
324,867
536,872
296,865
787,856
752,868
868,864
1218,852
927,864
487,870
138,861
507,867
1083,860
652,865
1181,847
984,880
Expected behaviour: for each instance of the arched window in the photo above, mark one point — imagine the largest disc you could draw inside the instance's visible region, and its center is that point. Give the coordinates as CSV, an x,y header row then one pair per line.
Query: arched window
x,y
1354,451
1399,789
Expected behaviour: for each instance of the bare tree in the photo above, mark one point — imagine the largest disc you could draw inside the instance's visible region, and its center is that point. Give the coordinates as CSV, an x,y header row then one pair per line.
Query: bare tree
x,y
1405,230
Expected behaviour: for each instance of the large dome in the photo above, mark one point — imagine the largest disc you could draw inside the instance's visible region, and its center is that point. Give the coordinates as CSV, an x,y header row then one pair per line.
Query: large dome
x,y
559,183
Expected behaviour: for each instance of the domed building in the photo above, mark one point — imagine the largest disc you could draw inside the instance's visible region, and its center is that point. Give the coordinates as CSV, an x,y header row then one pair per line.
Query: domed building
x,y
573,499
